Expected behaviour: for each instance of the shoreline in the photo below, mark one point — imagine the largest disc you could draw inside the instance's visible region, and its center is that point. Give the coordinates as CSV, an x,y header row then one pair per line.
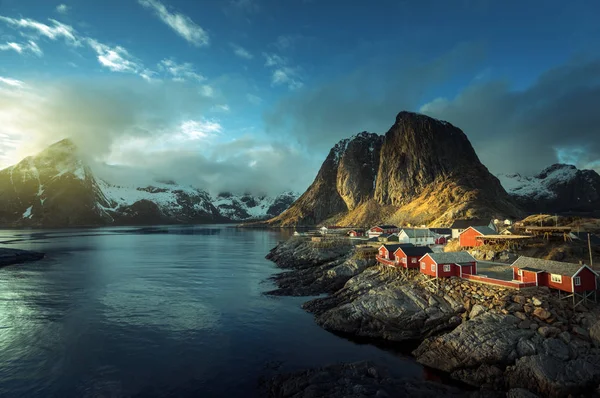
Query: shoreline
x,y
495,340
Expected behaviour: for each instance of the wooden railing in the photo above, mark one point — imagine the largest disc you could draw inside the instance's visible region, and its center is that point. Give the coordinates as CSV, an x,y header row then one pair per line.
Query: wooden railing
x,y
498,282
385,261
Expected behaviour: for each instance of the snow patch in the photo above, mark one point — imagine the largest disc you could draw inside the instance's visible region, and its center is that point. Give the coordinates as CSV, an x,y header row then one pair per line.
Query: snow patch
x,y
27,213
540,186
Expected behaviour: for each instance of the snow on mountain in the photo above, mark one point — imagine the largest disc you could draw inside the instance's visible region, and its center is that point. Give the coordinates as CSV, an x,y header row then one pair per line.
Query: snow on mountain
x,y
58,188
249,207
558,188
539,186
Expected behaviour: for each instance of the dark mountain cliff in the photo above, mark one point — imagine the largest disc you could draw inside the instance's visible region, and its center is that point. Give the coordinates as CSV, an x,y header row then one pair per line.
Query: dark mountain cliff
x,y
422,171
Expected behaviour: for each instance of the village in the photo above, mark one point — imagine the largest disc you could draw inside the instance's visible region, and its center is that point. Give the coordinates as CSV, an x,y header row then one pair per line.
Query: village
x,y
445,252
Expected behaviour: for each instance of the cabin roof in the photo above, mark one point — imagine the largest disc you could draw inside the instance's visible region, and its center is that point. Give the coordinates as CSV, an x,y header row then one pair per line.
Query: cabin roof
x,y
417,232
451,257
553,267
393,248
474,222
442,231
484,230
418,251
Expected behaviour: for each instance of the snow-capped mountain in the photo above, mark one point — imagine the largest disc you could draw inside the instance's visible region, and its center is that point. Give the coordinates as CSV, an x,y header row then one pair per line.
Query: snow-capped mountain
x,y
56,188
248,207
559,188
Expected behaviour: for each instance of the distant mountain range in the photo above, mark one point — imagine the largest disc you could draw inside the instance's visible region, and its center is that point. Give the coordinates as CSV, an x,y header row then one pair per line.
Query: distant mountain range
x,y
559,188
56,188
425,171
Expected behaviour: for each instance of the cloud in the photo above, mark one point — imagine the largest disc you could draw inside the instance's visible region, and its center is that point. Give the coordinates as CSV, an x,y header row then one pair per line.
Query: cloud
x,y
114,58
367,98
180,23
282,73
55,31
241,52
117,59
254,99
180,72
245,6
286,76
22,48
554,119
62,9
11,82
161,130
220,108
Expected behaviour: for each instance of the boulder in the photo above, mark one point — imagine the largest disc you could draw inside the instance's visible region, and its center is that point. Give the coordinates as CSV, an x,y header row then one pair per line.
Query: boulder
x,y
595,333
549,376
490,338
352,380
541,313
549,331
476,310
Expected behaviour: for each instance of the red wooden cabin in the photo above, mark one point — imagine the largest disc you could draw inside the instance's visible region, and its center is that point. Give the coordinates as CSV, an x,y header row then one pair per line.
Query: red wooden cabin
x,y
387,252
408,257
568,277
468,237
383,229
444,265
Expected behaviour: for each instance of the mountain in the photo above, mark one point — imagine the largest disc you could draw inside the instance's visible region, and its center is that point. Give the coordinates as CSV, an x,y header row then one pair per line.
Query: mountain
x,y
248,207
422,170
557,189
57,188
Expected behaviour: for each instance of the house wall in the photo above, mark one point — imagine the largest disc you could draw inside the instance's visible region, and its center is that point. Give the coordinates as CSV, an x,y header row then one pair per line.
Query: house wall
x,y
467,238
383,252
427,270
454,271
546,280
403,238
470,270
456,233
406,261
529,276
588,281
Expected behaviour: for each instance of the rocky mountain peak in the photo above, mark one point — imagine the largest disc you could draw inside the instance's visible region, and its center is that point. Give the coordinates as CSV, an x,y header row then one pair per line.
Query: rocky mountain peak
x,y
558,188
423,170
565,168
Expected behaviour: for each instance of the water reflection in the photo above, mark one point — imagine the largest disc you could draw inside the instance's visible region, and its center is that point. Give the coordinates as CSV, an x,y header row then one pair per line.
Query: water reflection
x,y
121,312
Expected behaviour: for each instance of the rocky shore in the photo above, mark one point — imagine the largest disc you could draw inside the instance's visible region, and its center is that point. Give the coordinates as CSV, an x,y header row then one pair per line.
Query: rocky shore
x,y
491,338
16,256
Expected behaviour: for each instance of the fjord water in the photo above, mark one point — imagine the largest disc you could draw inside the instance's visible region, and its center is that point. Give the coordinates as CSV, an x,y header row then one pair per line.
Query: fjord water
x,y
178,311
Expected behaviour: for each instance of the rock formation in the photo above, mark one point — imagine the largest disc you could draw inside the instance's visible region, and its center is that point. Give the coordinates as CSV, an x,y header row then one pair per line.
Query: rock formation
x,y
422,171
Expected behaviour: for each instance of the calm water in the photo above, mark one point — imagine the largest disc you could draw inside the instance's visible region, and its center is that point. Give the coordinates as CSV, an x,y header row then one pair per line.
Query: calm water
x,y
119,313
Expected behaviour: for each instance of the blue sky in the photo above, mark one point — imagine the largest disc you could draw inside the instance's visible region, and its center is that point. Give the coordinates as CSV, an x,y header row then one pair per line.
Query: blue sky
x,y
241,92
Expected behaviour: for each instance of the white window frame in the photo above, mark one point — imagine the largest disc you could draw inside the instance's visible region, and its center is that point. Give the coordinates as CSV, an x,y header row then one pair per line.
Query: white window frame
x,y
413,260
422,265
447,268
520,273
556,278
577,280
432,267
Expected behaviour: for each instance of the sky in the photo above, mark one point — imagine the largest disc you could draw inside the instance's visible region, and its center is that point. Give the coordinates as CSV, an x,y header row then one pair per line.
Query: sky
x,y
250,95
